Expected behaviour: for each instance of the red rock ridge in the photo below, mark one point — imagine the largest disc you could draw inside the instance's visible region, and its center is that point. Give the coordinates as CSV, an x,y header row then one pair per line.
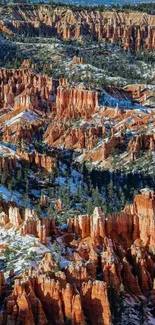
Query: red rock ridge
x,y
132,30
75,102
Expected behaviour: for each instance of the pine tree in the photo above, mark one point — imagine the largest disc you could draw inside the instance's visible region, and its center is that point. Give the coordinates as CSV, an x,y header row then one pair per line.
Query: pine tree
x,y
116,305
141,314
89,207
3,178
51,213
25,200
79,192
96,198
19,176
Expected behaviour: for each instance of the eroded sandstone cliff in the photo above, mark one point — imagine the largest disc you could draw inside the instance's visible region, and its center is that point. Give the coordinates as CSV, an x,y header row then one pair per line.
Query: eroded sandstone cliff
x,y
120,247
132,30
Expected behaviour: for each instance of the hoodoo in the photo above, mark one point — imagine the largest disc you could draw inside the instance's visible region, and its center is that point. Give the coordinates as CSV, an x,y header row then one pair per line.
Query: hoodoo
x,y
77,154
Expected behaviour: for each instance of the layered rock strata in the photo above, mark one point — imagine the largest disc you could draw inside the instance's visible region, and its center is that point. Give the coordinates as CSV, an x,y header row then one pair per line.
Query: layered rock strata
x,y
131,30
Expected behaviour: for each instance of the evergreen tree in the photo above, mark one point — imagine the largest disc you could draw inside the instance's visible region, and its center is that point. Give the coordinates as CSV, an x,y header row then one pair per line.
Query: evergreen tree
x,y
141,314
79,192
65,198
51,213
89,207
3,178
116,305
96,198
25,200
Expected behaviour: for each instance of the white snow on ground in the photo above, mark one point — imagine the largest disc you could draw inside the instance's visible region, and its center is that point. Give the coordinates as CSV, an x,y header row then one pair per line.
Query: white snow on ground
x,y
61,181
36,193
151,321
7,195
26,251
6,151
111,101
21,249
73,181
63,262
80,158
25,116
64,227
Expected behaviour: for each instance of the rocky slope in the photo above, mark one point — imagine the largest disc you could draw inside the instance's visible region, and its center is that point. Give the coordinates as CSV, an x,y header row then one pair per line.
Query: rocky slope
x,y
71,152
132,30
71,116
118,247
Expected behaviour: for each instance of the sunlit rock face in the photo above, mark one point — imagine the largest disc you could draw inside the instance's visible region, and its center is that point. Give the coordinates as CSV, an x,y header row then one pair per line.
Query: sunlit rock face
x,y
38,296
75,102
132,229
23,306
135,222
131,30
119,248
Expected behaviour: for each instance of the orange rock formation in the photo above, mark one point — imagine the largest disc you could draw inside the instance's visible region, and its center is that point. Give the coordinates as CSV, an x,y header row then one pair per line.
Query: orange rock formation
x,y
132,30
121,246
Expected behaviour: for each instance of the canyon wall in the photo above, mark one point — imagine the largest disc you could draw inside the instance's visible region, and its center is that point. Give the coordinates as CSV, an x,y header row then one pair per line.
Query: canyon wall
x,y
132,30
37,296
80,137
75,102
132,223
118,247
22,87
141,142
133,231
39,160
